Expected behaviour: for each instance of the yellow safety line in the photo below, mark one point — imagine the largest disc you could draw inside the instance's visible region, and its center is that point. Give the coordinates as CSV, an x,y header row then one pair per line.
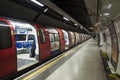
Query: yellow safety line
x,y
48,65
42,69
45,67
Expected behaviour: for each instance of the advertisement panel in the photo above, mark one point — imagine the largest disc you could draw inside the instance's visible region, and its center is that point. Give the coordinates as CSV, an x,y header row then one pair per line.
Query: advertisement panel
x,y
117,28
114,51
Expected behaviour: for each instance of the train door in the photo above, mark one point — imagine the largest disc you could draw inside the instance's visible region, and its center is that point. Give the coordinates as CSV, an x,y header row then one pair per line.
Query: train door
x,y
44,43
66,39
8,60
75,40
80,37
62,41
84,37
70,39
26,44
76,35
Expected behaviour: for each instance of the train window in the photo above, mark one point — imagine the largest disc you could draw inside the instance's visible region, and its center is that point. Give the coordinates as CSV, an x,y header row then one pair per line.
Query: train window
x,y
65,36
42,36
20,37
51,37
5,36
56,37
31,37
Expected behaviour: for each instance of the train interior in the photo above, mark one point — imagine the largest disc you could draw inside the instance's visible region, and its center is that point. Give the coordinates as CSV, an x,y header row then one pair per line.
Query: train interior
x,y
26,44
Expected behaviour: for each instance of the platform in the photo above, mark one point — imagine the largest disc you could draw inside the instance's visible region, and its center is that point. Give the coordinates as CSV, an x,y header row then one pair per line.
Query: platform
x,y
82,66
77,63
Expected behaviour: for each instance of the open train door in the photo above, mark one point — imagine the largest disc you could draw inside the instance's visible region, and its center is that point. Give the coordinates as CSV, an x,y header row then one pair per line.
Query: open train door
x,y
44,42
8,60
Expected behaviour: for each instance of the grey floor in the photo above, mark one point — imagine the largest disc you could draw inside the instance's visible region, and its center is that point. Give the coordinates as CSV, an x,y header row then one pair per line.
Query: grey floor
x,y
24,60
84,65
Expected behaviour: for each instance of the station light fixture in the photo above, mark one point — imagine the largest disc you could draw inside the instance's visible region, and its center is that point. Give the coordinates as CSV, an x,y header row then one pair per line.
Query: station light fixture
x,y
91,28
45,10
97,24
106,14
76,24
65,18
109,6
81,27
100,15
38,3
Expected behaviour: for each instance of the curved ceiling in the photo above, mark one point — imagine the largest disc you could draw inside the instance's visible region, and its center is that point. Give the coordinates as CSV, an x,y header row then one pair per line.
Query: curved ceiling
x,y
77,9
81,12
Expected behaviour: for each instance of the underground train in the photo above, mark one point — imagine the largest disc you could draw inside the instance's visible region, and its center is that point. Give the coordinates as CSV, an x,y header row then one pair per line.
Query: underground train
x,y
23,44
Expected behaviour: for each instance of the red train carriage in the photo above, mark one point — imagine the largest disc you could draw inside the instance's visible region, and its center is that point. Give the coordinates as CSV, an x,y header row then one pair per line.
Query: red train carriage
x,y
44,42
8,60
26,44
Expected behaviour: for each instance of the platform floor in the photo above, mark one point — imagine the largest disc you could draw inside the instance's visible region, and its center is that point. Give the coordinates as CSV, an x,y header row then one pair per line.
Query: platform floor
x,y
86,64
23,60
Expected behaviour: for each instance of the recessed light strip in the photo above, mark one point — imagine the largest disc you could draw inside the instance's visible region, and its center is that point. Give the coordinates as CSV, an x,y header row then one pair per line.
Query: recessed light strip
x,y
106,14
109,6
65,18
76,24
38,3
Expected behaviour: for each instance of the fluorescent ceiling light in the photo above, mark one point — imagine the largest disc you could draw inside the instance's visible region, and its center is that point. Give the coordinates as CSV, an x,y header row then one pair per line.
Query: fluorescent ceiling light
x,y
46,10
91,28
101,15
109,6
81,27
76,24
36,2
65,18
106,14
